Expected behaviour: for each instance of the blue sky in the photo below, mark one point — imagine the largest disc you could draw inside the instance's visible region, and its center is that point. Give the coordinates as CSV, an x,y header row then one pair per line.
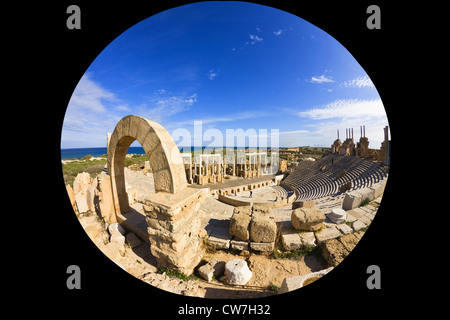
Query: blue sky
x,y
231,65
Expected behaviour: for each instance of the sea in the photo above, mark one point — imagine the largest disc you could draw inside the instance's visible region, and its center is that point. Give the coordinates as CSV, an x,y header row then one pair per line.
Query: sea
x,y
97,152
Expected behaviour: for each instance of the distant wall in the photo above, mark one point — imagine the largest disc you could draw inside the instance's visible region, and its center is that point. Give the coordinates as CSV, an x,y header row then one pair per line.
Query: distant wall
x,y
231,200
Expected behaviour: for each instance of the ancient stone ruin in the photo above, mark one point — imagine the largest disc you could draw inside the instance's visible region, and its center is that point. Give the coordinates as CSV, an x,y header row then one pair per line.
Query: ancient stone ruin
x,y
328,207
172,214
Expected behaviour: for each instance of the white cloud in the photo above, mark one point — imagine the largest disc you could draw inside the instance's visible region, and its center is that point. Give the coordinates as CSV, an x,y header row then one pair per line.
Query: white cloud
x,y
212,74
360,82
346,108
164,107
90,96
320,79
255,39
279,32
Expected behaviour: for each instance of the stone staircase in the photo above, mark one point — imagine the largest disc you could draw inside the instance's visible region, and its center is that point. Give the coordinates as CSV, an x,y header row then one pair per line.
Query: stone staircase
x,y
322,178
282,191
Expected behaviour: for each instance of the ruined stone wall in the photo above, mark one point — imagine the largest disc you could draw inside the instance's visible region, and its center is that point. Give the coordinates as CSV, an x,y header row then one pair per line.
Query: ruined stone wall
x,y
174,227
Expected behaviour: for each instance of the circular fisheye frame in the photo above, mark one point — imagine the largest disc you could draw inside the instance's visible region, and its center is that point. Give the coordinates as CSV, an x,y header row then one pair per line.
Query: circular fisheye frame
x,y
227,143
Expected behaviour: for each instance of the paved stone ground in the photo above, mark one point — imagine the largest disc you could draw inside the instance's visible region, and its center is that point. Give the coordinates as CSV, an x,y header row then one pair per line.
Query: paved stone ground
x,y
216,223
261,194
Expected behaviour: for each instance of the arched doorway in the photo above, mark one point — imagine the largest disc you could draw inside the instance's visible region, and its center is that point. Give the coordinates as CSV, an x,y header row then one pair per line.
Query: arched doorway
x,y
162,152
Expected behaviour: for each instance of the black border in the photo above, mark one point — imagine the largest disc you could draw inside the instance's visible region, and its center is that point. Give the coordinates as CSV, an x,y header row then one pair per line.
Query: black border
x,y
61,56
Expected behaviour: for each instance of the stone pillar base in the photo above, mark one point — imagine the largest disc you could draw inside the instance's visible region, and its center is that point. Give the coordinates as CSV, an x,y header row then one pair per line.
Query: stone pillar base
x,y
174,227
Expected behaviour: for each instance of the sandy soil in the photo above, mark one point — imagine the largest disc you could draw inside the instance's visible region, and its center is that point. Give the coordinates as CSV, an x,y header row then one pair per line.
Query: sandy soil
x,y
268,274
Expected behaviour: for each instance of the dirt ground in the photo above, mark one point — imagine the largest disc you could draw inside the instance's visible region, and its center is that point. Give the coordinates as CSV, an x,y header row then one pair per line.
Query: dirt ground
x,y
268,273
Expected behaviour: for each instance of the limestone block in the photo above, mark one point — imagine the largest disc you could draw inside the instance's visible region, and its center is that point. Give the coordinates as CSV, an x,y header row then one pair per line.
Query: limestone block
x,y
327,234
220,238
218,243
349,241
365,220
239,245
80,200
106,203
333,252
82,182
262,246
263,208
352,200
181,260
344,229
303,204
239,225
367,193
350,218
243,209
308,239
378,189
290,239
237,272
308,219
213,268
263,229
358,224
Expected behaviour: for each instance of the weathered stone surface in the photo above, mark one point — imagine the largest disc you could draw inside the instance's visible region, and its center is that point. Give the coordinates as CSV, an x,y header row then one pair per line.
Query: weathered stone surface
x,y
81,202
367,193
240,225
333,252
308,219
263,229
90,196
263,208
378,189
174,228
237,272
358,224
106,203
308,239
303,204
82,182
213,268
297,282
352,200
239,245
327,234
290,239
365,220
220,238
349,241
262,246
344,229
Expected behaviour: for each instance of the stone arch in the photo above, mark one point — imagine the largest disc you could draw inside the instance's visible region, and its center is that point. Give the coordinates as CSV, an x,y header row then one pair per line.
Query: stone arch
x,y
162,152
